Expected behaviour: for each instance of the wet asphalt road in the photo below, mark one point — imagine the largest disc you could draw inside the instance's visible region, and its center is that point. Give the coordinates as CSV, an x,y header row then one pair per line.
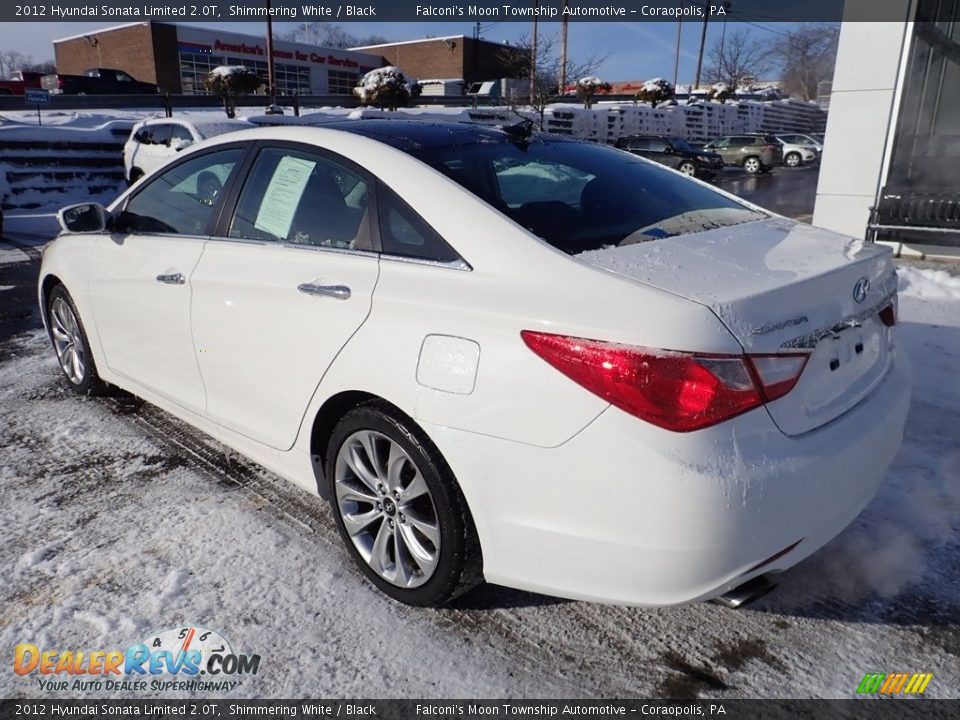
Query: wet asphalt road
x,y
787,191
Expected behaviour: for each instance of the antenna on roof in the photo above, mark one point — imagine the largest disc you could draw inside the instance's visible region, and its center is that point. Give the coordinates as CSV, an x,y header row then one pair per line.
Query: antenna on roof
x,y
520,130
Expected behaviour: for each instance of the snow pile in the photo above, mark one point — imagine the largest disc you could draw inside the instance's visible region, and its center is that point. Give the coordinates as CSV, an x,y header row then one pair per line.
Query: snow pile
x,y
225,71
720,87
655,84
929,284
589,83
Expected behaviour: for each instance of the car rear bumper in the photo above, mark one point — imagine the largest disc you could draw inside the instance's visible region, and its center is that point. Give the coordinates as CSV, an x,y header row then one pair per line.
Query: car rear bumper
x,y
630,514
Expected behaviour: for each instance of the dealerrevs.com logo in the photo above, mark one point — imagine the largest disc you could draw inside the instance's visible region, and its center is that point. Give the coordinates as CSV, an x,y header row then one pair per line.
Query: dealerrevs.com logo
x,y
191,659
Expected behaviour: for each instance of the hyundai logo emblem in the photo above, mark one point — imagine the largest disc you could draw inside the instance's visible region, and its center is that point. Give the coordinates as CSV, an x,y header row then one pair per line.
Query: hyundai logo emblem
x,y
861,290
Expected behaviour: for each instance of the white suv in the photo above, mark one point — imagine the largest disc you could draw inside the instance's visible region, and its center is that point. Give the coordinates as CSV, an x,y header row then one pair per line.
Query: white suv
x,y
153,142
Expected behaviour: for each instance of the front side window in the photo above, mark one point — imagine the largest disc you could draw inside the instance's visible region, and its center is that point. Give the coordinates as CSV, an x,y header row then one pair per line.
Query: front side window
x,y
160,134
299,197
181,200
658,145
580,196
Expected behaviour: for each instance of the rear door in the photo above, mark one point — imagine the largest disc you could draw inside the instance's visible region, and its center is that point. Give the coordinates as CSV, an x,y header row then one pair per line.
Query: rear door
x,y
282,286
140,285
157,151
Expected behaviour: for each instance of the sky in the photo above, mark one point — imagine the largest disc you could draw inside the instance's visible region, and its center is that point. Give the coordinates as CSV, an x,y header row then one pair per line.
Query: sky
x,y
632,50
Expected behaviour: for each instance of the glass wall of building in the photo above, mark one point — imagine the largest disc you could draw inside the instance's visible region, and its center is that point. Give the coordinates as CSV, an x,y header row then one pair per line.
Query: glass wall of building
x,y
196,65
922,188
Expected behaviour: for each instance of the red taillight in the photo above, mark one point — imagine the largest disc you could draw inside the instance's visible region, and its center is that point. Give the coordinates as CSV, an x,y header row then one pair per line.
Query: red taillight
x,y
888,316
673,390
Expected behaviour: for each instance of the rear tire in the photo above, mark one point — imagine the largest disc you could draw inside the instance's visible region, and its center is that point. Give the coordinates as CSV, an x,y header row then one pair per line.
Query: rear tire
x,y
409,527
70,344
752,165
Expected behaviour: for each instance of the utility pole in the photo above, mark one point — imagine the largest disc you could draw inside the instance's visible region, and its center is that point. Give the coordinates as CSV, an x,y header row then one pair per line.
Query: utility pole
x,y
703,41
271,84
533,53
564,30
676,54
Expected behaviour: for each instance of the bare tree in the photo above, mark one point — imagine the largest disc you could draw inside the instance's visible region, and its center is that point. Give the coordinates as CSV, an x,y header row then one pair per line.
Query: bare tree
x,y
807,55
332,35
737,61
515,60
11,60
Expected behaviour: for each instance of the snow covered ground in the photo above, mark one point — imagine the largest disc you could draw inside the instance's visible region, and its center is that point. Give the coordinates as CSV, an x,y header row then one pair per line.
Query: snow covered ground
x,y
119,520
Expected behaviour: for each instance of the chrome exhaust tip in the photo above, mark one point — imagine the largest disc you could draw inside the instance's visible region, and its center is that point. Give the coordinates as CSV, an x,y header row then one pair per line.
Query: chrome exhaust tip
x,y
748,592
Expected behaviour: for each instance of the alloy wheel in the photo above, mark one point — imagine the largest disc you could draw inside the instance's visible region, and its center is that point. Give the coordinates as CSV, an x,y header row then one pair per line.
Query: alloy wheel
x,y
793,160
387,509
688,169
751,165
68,341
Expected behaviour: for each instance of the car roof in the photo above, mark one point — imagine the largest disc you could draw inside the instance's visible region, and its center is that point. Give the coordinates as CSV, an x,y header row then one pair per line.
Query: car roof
x,y
412,135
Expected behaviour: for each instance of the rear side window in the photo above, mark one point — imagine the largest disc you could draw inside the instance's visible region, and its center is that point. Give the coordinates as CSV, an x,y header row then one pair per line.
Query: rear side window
x,y
143,136
404,233
658,145
181,200
300,197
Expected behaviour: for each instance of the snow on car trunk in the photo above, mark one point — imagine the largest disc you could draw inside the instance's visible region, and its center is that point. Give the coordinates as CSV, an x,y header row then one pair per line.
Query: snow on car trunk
x,y
783,287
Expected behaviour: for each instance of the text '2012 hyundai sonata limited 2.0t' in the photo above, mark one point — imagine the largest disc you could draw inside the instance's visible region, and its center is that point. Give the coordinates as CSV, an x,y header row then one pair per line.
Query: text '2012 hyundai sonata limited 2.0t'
x,y
499,355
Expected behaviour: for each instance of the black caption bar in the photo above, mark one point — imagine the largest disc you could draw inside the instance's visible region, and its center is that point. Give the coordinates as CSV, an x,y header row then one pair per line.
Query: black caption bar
x,y
441,10
200,709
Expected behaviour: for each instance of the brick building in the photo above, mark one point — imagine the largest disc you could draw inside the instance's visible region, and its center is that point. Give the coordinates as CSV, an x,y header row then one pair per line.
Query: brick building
x,y
453,56
179,57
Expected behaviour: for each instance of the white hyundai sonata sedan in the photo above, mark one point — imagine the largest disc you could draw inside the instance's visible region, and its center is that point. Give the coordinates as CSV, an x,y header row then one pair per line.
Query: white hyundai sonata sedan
x,y
540,362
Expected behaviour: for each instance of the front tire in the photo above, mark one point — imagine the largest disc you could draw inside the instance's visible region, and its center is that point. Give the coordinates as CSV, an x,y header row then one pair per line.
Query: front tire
x,y
687,168
70,344
398,508
793,160
752,165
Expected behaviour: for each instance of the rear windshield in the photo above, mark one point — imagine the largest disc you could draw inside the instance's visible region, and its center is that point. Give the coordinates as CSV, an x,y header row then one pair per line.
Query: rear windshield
x,y
579,196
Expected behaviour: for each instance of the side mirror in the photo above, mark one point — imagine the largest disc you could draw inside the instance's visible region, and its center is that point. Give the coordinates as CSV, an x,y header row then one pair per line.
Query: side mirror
x,y
83,218
179,144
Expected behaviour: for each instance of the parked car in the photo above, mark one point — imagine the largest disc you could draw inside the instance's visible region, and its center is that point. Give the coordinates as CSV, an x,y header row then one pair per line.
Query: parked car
x,y
153,142
18,84
754,153
497,354
801,139
796,155
673,152
98,81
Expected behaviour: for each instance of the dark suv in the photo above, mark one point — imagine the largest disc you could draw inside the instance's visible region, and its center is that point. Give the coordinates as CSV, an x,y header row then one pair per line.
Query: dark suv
x,y
673,152
754,153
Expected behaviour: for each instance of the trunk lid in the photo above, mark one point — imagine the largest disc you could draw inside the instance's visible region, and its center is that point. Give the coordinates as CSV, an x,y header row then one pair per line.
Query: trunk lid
x,y
781,286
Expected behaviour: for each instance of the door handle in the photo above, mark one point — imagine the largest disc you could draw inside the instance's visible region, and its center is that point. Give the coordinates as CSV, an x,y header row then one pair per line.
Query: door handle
x,y
172,279
340,292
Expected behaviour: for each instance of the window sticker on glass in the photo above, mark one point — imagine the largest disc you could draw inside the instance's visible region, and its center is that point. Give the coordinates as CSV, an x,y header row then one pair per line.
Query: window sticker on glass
x,y
283,194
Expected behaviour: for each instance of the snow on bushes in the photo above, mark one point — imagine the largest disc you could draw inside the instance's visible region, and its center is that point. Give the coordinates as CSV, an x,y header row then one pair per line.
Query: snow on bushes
x,y
588,87
386,87
230,81
721,92
656,91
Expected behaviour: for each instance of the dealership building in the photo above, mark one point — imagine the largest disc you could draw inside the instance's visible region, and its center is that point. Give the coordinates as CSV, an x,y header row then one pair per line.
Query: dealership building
x,y
179,57
891,159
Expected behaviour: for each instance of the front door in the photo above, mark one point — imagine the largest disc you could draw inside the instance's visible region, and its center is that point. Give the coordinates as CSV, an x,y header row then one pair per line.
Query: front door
x,y
281,289
140,286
